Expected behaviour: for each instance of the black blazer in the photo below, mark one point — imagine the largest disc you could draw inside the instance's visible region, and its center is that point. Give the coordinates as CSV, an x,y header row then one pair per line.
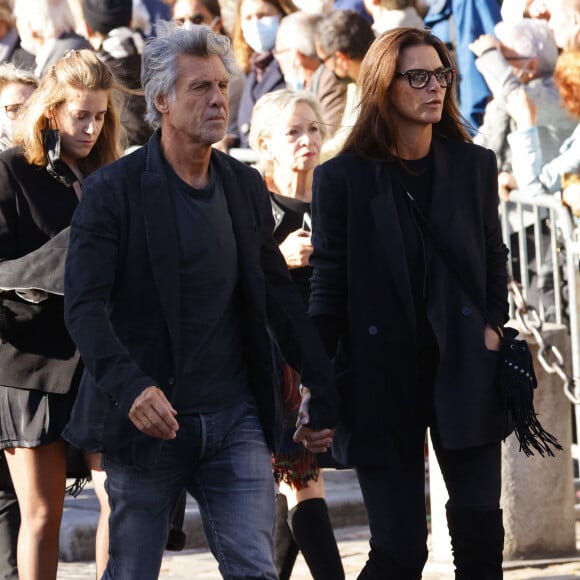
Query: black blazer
x,y
36,351
362,301
123,311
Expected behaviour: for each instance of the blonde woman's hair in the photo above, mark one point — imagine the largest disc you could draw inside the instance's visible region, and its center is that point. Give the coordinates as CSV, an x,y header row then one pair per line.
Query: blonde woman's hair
x,y
278,105
77,70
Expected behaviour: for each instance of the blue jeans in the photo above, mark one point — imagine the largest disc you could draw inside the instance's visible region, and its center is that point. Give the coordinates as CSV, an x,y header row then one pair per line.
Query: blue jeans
x,y
223,461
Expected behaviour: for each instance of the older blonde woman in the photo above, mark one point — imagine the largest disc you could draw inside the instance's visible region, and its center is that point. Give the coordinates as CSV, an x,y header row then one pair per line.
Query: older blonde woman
x,y
289,150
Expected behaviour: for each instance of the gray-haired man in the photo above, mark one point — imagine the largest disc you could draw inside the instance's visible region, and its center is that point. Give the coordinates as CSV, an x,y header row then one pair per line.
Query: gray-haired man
x,y
172,277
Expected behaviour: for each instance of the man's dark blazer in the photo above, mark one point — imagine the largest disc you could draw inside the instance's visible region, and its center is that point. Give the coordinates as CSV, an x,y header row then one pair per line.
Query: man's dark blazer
x,y
122,301
362,301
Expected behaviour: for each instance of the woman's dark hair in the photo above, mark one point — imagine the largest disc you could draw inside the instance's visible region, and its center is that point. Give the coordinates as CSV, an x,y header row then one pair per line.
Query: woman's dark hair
x,y
375,132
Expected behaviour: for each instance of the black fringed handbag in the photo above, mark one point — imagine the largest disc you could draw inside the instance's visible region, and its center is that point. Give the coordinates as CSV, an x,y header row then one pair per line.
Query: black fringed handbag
x,y
517,381
516,375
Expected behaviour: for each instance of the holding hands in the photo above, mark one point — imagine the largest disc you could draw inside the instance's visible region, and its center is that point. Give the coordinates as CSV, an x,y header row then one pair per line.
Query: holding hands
x,y
314,441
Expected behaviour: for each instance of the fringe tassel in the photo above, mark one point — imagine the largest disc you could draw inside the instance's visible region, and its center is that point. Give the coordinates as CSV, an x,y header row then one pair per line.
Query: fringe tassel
x,y
77,486
295,468
518,381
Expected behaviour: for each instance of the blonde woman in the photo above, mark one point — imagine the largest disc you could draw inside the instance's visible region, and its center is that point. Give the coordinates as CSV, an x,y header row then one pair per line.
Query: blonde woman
x,y
68,128
289,150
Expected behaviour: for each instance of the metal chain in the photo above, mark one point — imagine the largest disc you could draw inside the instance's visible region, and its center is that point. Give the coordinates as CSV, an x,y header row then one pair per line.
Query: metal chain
x,y
549,355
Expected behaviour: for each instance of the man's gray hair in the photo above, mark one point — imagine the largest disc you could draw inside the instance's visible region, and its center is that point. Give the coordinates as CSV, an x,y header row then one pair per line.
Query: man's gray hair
x,y
530,37
296,32
159,67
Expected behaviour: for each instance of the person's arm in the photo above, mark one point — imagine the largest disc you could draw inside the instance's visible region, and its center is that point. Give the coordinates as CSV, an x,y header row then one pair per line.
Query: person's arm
x,y
496,306
328,297
91,266
495,69
8,215
535,176
289,322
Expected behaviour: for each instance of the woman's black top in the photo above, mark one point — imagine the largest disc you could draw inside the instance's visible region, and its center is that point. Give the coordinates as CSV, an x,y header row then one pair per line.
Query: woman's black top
x,y
294,210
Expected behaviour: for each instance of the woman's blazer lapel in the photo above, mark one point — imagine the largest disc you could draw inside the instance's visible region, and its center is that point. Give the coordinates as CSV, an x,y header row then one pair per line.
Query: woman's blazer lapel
x,y
388,230
445,187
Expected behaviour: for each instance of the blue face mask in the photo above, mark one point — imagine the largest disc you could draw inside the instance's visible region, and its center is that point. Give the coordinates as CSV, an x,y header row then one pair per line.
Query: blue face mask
x,y
260,33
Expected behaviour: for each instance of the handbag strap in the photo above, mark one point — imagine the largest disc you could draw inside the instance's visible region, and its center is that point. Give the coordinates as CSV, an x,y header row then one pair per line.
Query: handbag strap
x,y
427,229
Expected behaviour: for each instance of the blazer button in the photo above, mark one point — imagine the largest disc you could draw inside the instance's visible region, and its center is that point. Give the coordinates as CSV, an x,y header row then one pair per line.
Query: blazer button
x,y
171,381
466,311
373,330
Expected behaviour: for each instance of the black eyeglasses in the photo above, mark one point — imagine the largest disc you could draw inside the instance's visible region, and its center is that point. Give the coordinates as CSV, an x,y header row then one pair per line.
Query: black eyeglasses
x,y
195,19
419,78
12,110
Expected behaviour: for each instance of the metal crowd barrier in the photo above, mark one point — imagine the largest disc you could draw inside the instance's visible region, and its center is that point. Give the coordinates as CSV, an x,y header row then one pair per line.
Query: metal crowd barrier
x,y
551,223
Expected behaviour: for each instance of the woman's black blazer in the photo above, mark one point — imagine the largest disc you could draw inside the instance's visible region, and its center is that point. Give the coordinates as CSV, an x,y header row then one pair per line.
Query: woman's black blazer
x,y
362,302
36,351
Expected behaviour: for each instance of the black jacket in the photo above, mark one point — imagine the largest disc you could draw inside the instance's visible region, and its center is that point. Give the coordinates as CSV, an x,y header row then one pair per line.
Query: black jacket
x,y
362,301
36,351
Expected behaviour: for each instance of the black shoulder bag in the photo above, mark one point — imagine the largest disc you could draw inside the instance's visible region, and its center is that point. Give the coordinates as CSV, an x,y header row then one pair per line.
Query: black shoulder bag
x,y
516,376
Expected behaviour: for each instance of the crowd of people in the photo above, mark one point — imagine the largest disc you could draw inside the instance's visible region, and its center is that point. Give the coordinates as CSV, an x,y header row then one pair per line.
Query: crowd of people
x,y
210,209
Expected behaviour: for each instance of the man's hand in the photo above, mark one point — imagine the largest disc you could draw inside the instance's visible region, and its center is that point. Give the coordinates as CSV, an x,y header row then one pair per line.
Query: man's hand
x,y
482,44
152,413
296,248
314,441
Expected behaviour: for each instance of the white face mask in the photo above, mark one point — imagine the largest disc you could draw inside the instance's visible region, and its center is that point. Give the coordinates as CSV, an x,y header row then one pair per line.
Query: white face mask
x,y
260,33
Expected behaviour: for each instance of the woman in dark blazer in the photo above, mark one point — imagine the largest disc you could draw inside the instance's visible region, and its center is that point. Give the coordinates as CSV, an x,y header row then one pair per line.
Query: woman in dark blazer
x,y
68,128
411,347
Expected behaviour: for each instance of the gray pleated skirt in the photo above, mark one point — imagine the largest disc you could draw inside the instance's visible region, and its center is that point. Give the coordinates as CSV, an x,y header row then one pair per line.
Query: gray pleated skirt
x,y
32,418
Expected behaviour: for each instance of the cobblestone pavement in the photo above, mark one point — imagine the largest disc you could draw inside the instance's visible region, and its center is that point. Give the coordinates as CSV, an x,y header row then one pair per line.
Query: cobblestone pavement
x,y
353,544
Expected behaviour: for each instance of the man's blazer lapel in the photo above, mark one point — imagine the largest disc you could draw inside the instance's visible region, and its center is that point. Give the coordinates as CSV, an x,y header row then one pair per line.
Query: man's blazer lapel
x,y
162,243
244,224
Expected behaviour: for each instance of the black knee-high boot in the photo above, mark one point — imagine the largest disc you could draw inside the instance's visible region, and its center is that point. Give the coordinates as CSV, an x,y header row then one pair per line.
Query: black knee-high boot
x,y
285,548
477,539
380,566
313,533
